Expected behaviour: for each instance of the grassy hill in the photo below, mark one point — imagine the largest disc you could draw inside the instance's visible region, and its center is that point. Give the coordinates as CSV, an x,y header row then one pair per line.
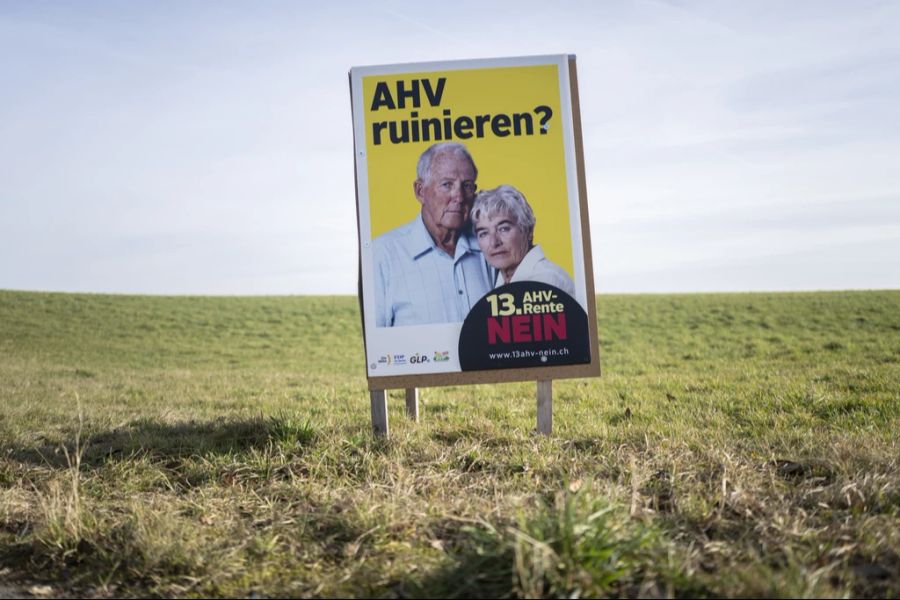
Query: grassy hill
x,y
737,444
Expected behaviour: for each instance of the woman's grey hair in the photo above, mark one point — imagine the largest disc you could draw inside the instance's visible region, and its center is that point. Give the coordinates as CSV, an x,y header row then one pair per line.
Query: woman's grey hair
x,y
423,169
504,199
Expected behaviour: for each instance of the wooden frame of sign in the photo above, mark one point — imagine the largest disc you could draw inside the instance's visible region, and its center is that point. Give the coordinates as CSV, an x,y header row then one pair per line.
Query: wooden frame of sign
x,y
378,386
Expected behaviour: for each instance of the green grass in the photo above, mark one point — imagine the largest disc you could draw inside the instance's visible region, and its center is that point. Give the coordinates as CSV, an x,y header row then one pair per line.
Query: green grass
x,y
736,445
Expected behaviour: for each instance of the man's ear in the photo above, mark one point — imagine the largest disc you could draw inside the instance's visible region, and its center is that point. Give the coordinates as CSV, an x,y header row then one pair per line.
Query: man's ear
x,y
418,184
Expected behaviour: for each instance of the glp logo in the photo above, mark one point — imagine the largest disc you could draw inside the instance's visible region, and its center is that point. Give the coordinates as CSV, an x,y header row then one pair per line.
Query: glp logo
x,y
418,359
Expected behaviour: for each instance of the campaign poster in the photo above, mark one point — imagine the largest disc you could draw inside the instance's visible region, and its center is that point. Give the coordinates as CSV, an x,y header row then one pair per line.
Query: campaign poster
x,y
474,257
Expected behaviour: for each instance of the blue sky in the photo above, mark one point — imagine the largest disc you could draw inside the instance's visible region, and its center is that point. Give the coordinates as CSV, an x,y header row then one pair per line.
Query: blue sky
x,y
206,147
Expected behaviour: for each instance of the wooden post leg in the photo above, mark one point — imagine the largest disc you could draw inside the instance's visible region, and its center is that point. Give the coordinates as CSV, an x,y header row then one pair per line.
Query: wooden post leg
x,y
412,404
545,407
379,412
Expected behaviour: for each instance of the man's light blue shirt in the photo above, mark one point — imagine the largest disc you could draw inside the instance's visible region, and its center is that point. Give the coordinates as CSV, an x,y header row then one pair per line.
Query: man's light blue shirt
x,y
418,283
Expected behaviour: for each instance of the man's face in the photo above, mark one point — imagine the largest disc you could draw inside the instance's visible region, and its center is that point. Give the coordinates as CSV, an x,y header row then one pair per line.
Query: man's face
x,y
448,194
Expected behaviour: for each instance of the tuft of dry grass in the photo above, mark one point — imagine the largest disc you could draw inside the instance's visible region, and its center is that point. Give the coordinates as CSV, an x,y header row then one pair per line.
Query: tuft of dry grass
x,y
63,519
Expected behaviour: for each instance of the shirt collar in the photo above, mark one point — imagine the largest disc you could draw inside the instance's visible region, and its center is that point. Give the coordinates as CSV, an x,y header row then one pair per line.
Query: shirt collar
x,y
531,258
419,241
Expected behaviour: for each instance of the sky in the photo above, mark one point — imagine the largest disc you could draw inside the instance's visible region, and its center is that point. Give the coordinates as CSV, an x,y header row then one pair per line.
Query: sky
x,y
207,148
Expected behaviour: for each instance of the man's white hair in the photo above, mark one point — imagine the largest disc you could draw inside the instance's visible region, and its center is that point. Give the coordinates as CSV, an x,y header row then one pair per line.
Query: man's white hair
x,y
423,169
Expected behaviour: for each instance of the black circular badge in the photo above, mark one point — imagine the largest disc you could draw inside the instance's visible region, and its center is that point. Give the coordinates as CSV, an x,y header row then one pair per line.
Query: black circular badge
x,y
524,324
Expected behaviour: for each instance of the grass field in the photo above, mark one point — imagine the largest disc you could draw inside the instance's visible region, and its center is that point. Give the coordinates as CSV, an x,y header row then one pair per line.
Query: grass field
x,y
737,444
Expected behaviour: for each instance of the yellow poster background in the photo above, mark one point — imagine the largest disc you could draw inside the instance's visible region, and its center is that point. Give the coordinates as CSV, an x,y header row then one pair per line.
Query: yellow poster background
x,y
535,164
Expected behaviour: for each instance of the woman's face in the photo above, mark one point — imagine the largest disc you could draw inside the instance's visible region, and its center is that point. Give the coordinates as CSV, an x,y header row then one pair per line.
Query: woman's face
x,y
502,241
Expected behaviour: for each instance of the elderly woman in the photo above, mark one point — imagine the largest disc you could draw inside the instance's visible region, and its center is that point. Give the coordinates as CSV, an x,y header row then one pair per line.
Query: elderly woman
x,y
504,227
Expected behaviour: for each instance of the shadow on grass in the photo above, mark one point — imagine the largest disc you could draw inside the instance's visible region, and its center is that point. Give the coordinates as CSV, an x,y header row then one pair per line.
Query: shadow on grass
x,y
469,575
218,437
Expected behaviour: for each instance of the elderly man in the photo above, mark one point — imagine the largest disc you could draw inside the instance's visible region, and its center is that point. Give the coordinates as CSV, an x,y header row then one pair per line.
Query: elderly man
x,y
431,270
